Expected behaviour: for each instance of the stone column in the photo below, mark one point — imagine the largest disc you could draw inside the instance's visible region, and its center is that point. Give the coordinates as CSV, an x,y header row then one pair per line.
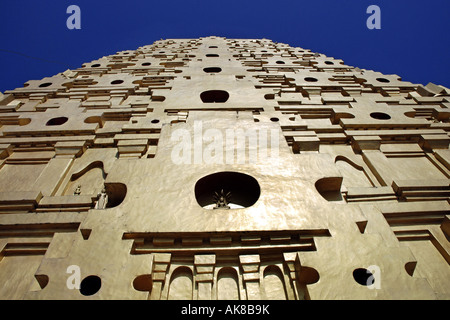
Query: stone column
x,y
252,283
161,263
204,277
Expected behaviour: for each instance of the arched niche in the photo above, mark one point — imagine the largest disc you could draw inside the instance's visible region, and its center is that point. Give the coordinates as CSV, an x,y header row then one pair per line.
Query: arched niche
x,y
308,275
410,114
181,286
243,190
330,188
274,286
227,284
143,283
24,121
94,119
116,194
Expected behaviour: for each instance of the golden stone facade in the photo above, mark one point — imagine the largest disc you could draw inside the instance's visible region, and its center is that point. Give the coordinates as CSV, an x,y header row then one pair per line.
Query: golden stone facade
x,y
115,182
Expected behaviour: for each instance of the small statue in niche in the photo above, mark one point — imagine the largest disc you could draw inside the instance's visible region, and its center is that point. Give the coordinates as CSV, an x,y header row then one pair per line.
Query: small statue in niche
x,y
77,191
222,200
102,200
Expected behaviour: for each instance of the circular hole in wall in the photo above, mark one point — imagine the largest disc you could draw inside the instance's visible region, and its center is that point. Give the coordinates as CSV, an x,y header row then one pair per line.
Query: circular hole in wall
x,y
384,80
243,189
45,85
214,96
380,116
90,285
155,121
96,65
329,62
146,64
363,276
117,82
57,121
280,62
274,119
212,70
311,79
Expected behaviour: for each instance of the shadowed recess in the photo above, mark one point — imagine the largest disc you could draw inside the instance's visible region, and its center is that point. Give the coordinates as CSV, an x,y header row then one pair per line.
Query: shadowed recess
x,y
244,189
90,285
217,96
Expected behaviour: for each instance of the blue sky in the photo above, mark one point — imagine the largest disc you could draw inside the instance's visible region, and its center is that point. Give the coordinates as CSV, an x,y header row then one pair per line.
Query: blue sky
x,y
413,42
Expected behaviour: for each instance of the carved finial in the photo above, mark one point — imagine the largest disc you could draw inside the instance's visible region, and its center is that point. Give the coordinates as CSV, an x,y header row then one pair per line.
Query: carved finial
x,y
222,200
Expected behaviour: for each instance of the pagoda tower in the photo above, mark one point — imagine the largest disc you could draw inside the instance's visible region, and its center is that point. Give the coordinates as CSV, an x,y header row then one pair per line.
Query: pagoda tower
x,y
216,169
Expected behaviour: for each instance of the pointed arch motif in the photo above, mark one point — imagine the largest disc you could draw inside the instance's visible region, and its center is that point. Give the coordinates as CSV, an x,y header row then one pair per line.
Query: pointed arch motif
x,y
354,174
87,181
